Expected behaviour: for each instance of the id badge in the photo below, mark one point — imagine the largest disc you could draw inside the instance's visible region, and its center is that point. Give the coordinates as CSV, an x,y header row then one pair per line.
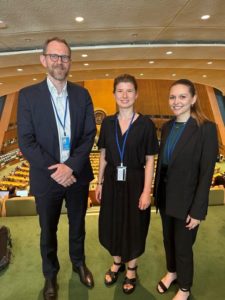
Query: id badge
x,y
65,143
121,173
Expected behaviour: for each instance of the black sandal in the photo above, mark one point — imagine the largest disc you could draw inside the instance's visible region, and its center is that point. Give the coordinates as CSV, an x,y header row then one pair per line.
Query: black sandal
x,y
114,275
163,287
130,281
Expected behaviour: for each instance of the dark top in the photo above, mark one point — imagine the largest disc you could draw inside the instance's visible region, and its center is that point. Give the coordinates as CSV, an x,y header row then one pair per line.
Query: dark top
x,y
171,141
141,141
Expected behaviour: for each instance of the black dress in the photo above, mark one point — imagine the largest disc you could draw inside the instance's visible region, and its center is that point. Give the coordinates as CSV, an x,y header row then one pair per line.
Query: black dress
x,y
123,227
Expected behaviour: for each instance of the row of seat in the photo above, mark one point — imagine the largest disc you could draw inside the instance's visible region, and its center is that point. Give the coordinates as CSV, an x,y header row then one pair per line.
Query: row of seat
x,y
22,206
25,206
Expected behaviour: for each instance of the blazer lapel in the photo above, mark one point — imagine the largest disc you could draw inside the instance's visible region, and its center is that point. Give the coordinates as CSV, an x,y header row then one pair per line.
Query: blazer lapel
x,y
184,139
73,110
48,108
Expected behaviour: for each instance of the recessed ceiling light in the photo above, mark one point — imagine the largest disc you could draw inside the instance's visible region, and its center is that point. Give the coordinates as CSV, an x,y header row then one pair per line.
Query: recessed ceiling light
x,y
70,75
106,74
79,19
86,64
34,79
19,70
1,83
205,17
169,52
27,40
204,76
174,74
134,34
209,63
141,74
151,62
84,55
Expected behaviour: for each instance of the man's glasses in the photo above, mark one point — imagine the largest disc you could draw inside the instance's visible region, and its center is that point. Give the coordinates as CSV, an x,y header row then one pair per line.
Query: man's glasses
x,y
55,57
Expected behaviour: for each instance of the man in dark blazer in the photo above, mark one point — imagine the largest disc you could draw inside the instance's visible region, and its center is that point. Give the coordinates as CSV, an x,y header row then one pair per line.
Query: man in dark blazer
x,y
56,130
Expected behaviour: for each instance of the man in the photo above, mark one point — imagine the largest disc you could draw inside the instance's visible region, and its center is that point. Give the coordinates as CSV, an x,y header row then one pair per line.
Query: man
x,y
56,130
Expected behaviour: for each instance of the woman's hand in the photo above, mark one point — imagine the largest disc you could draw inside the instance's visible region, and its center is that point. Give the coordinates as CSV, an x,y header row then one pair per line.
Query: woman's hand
x,y
144,201
191,222
98,193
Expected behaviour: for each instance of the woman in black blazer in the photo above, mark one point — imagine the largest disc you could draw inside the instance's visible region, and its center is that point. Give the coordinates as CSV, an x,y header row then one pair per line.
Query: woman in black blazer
x,y
185,167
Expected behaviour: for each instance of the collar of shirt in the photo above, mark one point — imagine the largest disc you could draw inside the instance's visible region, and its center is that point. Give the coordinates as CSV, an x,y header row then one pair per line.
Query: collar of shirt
x,y
54,91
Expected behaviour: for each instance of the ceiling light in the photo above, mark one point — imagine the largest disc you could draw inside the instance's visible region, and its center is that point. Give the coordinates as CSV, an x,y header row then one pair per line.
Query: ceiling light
x,y
205,17
169,52
174,74
84,55
106,74
19,70
70,75
134,34
209,63
86,64
151,62
1,83
79,19
204,76
141,74
34,79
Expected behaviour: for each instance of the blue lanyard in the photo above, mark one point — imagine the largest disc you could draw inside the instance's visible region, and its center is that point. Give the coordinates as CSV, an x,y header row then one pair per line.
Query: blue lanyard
x,y
170,147
121,151
65,114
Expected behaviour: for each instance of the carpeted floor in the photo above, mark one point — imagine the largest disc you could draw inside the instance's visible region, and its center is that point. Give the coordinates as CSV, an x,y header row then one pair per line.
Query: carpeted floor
x,y
23,280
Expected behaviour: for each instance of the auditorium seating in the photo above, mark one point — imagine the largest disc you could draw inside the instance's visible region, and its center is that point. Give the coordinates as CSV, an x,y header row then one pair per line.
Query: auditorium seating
x,y
23,206
20,206
217,196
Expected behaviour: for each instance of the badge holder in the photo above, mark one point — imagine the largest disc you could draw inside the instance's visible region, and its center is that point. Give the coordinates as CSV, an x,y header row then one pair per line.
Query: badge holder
x,y
121,173
65,143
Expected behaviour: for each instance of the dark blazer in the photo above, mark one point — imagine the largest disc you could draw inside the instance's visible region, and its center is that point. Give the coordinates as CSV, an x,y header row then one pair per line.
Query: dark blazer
x,y
38,135
190,169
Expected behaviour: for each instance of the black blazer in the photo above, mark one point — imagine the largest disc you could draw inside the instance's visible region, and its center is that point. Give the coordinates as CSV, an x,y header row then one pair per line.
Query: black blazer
x,y
190,169
38,135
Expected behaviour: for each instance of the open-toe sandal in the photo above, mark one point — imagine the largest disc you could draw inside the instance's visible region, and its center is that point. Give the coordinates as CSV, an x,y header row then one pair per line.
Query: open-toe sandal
x,y
130,281
114,275
163,287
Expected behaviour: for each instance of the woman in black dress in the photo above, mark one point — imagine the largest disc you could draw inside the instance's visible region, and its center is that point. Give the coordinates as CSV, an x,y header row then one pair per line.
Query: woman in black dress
x,y
128,143
188,152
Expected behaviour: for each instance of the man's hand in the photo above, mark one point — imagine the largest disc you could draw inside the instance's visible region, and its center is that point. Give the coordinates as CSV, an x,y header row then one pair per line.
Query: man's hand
x,y
191,222
63,174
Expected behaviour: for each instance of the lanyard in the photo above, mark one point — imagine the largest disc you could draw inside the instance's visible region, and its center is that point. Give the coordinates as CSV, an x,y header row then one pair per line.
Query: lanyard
x,y
121,151
170,145
63,125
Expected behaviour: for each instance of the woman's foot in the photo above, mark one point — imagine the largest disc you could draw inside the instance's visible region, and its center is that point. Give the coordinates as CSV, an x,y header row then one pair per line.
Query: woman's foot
x,y
165,283
182,294
130,280
111,275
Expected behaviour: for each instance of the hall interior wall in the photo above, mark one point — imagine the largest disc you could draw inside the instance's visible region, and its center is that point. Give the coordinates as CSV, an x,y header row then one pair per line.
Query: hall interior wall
x,y
152,100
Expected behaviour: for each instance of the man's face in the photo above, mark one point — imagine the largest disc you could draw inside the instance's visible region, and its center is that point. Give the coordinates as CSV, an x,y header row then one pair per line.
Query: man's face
x,y
56,60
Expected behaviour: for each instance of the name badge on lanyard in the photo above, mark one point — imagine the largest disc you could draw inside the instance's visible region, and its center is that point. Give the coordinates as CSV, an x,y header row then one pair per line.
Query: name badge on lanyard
x,y
122,170
65,140
121,173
